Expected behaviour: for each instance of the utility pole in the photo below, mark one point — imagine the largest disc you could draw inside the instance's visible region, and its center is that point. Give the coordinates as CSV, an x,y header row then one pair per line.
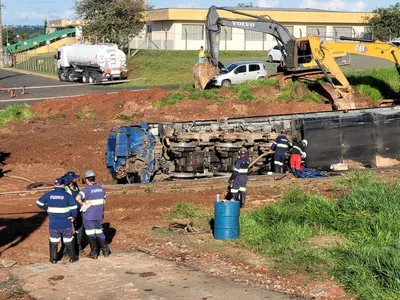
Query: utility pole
x,y
1,36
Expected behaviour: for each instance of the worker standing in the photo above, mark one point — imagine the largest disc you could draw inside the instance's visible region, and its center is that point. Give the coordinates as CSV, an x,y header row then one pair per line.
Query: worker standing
x,y
92,200
239,177
72,188
297,153
201,54
62,210
280,146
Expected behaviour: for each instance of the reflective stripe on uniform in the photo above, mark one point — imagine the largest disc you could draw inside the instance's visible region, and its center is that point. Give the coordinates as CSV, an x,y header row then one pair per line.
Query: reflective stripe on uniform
x,y
235,169
243,171
73,207
282,145
82,194
234,191
278,163
39,203
54,240
68,240
58,210
95,202
90,231
242,189
98,231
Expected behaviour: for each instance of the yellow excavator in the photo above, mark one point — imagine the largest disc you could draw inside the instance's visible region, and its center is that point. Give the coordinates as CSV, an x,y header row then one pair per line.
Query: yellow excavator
x,y
296,60
322,54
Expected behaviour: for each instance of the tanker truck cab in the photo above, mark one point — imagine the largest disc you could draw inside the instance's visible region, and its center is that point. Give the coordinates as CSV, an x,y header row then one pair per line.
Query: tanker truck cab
x,y
91,63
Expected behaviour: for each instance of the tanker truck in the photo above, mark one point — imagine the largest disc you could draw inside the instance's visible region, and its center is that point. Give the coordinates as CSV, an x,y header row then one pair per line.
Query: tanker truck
x,y
91,63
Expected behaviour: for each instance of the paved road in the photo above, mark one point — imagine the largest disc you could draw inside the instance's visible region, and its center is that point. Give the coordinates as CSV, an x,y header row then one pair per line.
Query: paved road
x,y
132,276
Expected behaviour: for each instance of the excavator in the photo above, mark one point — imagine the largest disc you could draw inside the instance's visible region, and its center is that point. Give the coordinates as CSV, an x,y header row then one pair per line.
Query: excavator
x,y
322,50
297,59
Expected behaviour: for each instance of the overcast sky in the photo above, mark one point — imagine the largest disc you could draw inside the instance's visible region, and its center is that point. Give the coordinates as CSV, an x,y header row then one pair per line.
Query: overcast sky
x,y
33,12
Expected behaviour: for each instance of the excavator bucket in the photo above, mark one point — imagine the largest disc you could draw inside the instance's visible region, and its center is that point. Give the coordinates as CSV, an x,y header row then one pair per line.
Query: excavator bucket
x,y
202,74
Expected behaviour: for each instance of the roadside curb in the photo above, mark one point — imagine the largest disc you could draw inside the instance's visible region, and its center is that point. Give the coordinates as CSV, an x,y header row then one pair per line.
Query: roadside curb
x,y
29,73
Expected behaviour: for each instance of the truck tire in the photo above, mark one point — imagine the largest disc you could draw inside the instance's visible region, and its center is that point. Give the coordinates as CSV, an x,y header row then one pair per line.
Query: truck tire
x,y
85,77
92,78
71,77
62,76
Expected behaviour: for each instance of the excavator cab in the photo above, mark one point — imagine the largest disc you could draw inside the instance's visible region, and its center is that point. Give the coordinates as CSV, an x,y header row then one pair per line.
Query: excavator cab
x,y
299,56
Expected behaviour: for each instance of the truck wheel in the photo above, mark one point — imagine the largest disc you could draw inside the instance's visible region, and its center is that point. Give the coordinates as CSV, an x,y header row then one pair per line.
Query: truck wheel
x,y
62,76
226,83
85,78
92,78
71,77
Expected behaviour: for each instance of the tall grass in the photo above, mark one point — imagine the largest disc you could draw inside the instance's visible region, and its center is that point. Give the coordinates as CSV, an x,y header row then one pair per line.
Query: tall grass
x,y
365,221
16,112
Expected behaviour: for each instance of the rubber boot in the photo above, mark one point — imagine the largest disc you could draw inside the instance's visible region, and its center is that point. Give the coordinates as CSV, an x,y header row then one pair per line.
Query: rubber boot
x,y
71,248
79,235
93,248
104,247
242,199
53,252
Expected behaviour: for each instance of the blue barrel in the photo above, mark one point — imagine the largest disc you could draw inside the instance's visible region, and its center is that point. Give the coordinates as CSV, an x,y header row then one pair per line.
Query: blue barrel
x,y
226,220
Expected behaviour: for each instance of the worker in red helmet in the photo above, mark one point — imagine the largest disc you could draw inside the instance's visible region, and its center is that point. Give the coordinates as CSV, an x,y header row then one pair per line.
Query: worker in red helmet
x,y
239,177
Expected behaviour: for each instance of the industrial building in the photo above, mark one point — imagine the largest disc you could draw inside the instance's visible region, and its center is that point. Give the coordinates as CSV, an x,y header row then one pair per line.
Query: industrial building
x,y
184,28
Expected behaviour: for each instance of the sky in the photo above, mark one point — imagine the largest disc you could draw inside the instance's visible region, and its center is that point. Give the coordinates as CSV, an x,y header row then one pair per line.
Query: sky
x,y
33,12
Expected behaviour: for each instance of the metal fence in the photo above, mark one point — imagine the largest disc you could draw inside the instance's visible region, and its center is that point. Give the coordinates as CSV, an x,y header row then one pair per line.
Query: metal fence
x,y
45,63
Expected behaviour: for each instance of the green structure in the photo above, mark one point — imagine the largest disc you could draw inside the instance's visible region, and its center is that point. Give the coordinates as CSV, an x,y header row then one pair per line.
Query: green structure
x,y
40,40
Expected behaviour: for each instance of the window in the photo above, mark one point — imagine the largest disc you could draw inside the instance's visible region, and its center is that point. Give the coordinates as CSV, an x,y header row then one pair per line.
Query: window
x,y
254,68
290,29
241,69
251,35
226,33
343,31
316,30
192,32
368,33
277,47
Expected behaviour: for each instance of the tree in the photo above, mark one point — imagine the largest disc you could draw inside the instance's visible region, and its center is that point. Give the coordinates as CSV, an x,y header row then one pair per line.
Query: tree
x,y
385,22
117,21
243,4
45,22
9,36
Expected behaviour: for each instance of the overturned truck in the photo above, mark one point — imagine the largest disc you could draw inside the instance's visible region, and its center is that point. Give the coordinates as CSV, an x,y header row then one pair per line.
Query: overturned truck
x,y
187,150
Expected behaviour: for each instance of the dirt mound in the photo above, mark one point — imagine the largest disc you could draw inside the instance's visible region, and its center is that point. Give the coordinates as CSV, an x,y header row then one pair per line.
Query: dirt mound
x,y
139,106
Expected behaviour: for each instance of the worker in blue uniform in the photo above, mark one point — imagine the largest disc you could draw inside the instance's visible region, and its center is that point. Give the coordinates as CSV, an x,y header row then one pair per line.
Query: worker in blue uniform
x,y
62,210
280,146
72,188
239,177
92,200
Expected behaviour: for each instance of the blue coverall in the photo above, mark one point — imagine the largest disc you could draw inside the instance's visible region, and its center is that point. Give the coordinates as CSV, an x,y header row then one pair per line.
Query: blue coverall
x,y
239,179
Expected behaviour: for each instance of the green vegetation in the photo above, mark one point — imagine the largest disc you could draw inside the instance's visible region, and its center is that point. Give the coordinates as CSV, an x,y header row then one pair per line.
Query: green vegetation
x,y
18,112
123,117
376,83
86,113
160,67
172,98
355,239
186,210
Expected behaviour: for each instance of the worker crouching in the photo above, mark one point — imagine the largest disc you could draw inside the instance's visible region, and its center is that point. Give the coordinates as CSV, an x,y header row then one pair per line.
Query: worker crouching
x,y
297,154
239,177
92,200
62,211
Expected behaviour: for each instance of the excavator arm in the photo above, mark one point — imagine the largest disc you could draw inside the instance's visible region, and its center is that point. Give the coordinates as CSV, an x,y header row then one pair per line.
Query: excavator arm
x,y
322,54
202,73
256,23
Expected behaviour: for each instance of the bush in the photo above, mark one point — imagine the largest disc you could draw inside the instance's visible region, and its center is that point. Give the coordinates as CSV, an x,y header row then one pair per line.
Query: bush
x,y
18,112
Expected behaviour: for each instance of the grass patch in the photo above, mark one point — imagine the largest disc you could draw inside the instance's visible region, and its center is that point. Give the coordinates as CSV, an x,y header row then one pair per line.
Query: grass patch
x,y
372,93
364,224
243,91
313,97
123,117
172,98
186,210
18,112
160,67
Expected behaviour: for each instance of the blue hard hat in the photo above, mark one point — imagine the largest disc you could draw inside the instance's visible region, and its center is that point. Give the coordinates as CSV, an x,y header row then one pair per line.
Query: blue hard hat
x,y
67,179
71,174
58,181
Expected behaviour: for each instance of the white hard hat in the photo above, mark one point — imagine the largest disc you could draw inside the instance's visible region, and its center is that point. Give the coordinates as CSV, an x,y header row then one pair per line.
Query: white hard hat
x,y
89,173
304,142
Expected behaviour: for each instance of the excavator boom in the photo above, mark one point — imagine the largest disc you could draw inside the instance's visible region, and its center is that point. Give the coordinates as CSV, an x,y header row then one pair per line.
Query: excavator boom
x,y
322,54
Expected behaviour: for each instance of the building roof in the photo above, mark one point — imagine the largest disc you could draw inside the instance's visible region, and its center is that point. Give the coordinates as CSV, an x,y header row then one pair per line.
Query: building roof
x,y
286,15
